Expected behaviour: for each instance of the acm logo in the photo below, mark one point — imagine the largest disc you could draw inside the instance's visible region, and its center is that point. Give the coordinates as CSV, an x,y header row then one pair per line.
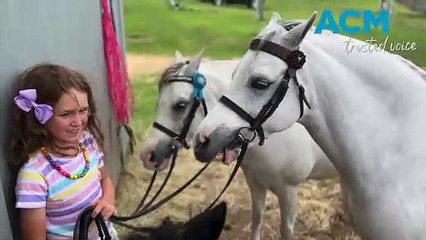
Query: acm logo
x,y
328,22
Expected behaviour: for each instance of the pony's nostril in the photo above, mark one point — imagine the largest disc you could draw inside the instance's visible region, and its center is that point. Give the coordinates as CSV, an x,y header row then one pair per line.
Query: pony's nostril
x,y
152,157
206,141
201,140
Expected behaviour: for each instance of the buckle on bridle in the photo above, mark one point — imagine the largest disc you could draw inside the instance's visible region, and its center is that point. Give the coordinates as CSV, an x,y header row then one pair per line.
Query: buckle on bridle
x,y
246,135
180,142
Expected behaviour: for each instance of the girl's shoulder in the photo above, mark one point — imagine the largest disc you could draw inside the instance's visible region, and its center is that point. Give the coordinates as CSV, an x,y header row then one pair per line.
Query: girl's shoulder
x,y
34,167
89,141
36,160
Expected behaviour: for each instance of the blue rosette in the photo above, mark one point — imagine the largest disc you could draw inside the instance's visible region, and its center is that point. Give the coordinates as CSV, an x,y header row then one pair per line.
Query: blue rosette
x,y
199,82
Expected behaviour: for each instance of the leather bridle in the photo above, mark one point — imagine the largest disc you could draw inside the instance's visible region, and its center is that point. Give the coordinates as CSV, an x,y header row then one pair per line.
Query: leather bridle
x,y
198,81
295,60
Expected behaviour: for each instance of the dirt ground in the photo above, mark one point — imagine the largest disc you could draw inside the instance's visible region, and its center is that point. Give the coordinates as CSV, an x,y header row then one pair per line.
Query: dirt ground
x,y
321,214
146,64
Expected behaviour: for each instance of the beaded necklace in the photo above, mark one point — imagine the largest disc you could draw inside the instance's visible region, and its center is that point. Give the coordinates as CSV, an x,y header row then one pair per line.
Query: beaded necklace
x,y
61,170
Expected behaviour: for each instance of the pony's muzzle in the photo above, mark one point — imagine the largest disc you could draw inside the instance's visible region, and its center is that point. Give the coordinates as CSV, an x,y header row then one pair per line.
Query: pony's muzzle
x,y
206,149
164,150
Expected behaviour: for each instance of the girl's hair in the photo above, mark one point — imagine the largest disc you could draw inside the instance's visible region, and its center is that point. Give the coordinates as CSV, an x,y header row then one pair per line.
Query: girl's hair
x,y
50,81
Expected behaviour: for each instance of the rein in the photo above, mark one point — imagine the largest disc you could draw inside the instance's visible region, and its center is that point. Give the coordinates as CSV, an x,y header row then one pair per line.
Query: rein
x,y
244,141
84,220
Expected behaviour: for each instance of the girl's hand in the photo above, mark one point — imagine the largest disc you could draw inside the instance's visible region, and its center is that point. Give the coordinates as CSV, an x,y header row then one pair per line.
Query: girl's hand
x,y
105,208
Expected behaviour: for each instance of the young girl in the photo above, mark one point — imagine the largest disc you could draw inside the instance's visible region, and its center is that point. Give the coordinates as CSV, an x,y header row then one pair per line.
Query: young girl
x,y
58,144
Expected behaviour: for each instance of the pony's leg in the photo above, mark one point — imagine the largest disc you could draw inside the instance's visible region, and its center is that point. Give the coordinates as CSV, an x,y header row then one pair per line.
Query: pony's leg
x,y
287,198
345,199
258,196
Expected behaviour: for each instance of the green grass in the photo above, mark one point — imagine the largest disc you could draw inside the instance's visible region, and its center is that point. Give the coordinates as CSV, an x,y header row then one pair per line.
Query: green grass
x,y
145,100
152,27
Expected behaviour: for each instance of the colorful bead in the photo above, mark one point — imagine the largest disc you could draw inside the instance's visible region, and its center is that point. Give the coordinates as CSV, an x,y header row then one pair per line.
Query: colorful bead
x,y
62,171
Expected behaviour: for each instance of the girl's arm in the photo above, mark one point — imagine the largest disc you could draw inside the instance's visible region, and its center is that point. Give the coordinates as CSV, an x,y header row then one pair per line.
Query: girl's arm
x,y
33,223
106,205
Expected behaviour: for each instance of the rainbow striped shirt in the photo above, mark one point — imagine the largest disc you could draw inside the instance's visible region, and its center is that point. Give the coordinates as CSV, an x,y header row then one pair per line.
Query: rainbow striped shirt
x,y
39,185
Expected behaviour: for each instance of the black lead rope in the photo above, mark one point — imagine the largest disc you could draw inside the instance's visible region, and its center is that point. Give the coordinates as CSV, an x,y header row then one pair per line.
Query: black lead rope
x,y
244,140
169,173
83,223
232,176
81,229
145,196
148,208
119,220
84,220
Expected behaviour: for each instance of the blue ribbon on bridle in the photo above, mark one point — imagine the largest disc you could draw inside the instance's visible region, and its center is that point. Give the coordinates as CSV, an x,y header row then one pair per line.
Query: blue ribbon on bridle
x,y
199,82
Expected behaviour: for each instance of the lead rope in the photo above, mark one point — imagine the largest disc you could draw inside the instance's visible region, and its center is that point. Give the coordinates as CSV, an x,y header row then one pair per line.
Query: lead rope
x,y
241,138
81,229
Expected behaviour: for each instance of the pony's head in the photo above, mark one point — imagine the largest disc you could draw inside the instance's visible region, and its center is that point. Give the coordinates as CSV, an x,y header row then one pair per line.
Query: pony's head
x,y
207,225
176,98
256,91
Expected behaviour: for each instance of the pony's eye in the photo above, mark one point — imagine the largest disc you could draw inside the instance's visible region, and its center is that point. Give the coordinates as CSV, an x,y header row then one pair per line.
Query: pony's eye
x,y
180,106
260,84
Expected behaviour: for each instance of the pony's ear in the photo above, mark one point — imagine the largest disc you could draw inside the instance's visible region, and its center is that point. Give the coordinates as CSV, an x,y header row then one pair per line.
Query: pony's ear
x,y
295,36
275,19
207,225
178,57
194,64
274,23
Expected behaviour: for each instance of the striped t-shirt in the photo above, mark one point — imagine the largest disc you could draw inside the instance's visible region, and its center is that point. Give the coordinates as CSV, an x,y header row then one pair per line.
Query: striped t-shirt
x,y
39,185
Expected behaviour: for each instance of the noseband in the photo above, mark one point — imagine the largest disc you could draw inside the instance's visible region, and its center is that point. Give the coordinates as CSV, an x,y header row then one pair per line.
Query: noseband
x,y
199,82
295,60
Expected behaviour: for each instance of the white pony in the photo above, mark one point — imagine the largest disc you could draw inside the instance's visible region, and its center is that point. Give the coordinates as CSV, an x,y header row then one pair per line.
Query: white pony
x,y
285,161
368,115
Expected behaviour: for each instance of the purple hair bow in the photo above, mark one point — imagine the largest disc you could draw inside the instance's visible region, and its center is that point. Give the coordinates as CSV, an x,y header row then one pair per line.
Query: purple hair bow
x,y
26,101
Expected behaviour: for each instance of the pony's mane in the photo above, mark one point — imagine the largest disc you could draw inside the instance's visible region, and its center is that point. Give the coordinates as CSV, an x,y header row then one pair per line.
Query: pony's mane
x,y
338,37
168,74
411,65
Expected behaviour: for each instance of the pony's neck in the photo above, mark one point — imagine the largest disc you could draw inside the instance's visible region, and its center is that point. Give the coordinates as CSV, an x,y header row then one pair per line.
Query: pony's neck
x,y
363,103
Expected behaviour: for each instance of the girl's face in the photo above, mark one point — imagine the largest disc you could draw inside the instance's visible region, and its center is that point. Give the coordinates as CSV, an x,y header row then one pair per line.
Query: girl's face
x,y
70,117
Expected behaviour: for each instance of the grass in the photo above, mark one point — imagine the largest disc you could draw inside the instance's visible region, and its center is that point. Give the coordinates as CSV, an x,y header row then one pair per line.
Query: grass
x,y
152,27
145,101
